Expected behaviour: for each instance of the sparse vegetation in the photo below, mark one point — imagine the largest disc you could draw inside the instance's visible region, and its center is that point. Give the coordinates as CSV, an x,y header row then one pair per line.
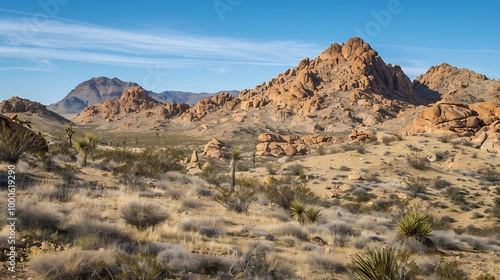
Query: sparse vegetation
x,y
143,215
417,161
272,168
283,192
490,174
416,185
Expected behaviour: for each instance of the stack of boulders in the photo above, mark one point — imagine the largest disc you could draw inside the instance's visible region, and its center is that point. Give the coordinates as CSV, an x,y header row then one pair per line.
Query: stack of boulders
x,y
193,166
214,149
359,136
477,123
289,145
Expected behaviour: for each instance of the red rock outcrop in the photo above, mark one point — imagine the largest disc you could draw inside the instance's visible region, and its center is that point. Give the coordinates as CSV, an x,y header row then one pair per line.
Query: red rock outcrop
x,y
478,123
203,107
214,149
350,66
288,145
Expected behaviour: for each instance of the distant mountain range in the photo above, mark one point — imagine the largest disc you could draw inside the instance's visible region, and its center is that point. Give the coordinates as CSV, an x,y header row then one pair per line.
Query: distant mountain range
x,y
100,89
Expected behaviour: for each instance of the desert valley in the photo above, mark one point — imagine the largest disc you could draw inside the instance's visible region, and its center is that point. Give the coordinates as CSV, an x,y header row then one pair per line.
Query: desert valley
x,y
338,168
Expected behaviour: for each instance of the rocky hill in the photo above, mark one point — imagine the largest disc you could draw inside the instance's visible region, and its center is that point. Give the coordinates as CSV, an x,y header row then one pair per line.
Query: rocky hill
x,y
448,83
133,101
17,105
89,93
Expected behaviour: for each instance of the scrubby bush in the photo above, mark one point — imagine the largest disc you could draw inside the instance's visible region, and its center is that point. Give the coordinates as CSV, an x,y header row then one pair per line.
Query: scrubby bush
x,y
358,147
439,183
93,235
417,161
283,192
74,264
86,145
416,185
272,168
489,174
143,215
239,198
38,217
297,169
455,195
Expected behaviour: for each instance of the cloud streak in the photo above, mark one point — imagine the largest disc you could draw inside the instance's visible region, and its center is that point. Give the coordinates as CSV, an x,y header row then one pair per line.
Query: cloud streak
x,y
60,40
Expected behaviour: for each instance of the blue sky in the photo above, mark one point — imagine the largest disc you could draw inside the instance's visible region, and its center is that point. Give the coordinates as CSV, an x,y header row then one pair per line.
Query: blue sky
x,y
47,47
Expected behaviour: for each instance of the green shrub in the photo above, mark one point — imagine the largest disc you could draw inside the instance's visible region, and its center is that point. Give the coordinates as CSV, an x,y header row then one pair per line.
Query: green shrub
x,y
450,271
414,225
377,264
297,169
143,215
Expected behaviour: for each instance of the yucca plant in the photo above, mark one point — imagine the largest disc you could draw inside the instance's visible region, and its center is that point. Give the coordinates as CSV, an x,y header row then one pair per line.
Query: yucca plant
x,y
313,214
377,264
298,211
414,225
303,214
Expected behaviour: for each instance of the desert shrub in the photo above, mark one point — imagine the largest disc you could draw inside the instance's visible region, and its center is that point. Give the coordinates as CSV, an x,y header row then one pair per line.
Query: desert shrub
x,y
238,200
74,264
38,218
292,230
489,174
176,257
119,155
343,229
13,145
439,183
191,203
376,264
212,174
327,263
416,185
321,150
449,270
361,195
344,168
297,169
143,215
283,192
93,235
139,266
358,147
417,161
253,263
455,195
496,208
414,225
272,168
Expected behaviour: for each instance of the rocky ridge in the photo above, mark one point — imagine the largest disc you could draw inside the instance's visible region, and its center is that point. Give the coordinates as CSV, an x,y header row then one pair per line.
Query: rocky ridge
x,y
15,105
448,83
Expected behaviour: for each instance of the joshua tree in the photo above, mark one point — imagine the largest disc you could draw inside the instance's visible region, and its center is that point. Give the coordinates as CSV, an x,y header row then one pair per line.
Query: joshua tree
x,y
235,156
70,131
86,145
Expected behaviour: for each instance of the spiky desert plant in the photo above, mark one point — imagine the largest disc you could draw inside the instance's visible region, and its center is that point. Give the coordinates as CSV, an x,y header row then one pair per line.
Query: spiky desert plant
x,y
313,214
235,156
70,131
13,145
414,225
377,264
86,146
298,211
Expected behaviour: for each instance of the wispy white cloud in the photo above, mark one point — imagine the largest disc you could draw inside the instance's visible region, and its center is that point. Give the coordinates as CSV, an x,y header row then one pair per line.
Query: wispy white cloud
x,y
61,40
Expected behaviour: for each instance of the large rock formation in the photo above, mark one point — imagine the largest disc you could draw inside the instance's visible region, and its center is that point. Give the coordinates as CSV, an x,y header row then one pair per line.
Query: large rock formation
x,y
134,101
16,105
289,145
353,66
90,92
448,83
203,107
477,123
